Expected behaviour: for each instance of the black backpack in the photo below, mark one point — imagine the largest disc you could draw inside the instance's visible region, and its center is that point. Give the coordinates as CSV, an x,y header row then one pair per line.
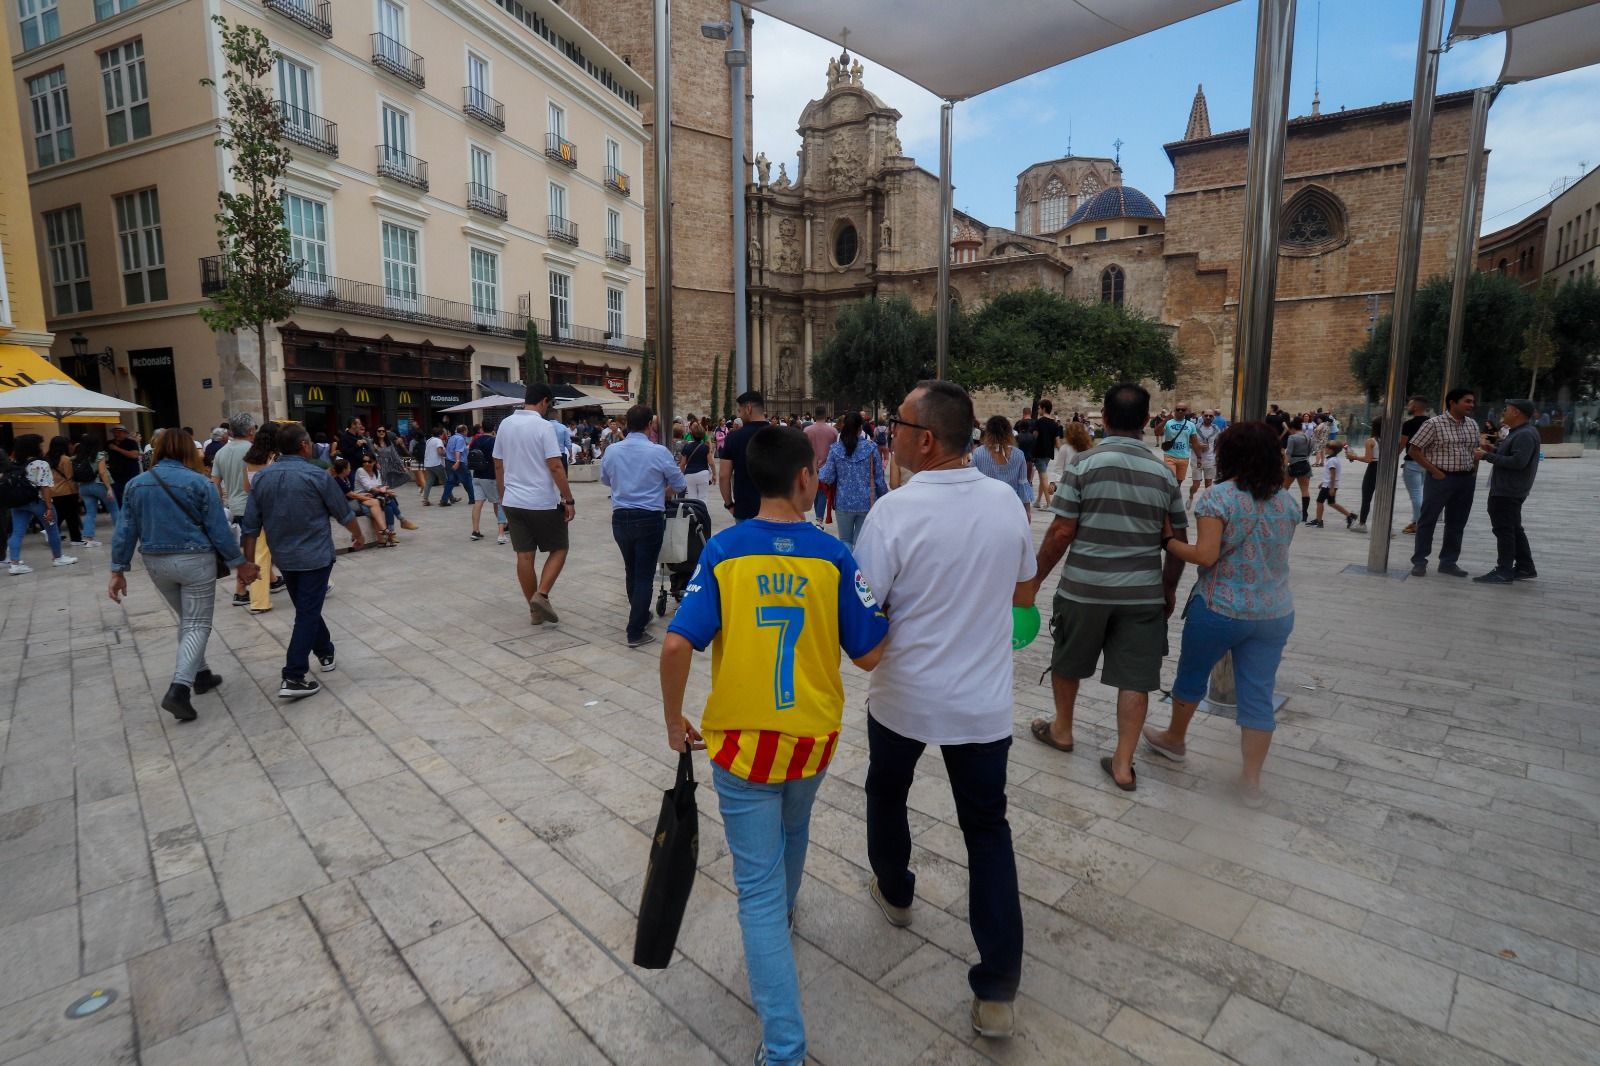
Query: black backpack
x,y
480,462
83,469
15,488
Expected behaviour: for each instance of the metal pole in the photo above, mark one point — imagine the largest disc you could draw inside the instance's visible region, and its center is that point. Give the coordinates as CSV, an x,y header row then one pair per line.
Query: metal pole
x,y
1405,279
942,296
662,132
738,59
1258,269
1258,266
1466,234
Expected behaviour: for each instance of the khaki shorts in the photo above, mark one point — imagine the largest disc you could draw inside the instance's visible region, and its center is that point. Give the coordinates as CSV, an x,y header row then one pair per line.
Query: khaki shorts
x,y
544,531
1131,636
1179,467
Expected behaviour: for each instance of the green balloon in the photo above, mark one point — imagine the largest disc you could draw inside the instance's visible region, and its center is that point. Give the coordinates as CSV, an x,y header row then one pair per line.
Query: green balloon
x,y
1024,626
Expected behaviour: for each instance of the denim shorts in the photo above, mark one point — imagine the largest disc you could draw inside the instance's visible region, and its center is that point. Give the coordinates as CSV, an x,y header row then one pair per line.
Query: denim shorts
x,y
1257,646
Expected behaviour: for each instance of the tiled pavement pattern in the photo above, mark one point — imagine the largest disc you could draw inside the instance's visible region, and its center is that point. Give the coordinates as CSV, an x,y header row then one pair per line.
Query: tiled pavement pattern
x,y
437,860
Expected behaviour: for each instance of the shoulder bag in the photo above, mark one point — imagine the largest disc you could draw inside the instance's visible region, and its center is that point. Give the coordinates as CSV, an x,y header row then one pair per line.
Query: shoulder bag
x,y
222,565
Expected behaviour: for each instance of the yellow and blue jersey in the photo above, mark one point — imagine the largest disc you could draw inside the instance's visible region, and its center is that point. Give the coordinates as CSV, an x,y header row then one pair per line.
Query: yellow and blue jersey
x,y
776,601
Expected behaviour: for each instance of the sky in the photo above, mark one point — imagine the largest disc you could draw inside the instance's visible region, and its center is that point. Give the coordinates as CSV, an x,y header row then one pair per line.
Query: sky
x,y
1140,91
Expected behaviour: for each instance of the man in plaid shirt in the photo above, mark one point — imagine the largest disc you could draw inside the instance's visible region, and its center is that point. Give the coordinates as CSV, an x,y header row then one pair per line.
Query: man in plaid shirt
x,y
1446,446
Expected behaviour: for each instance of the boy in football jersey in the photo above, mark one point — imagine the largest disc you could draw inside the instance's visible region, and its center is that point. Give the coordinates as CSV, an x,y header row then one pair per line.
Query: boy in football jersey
x,y
776,598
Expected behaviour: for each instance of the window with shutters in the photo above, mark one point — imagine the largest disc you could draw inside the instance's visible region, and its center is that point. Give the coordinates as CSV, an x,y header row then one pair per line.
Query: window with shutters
x,y
399,267
69,260
485,270
127,94
144,258
307,222
52,117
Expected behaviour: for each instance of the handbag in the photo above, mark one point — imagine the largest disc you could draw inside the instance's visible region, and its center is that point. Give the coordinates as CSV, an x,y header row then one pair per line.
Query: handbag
x,y
675,540
669,878
222,565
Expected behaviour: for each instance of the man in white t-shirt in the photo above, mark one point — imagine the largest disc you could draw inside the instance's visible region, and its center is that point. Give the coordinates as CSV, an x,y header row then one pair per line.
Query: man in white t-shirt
x,y
433,466
1203,442
535,496
948,588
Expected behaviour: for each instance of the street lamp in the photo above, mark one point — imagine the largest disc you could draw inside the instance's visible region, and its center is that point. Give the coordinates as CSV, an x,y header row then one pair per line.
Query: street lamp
x,y
106,359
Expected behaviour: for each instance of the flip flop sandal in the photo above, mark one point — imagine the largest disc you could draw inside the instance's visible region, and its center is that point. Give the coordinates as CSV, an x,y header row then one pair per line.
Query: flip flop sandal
x,y
1041,732
1105,764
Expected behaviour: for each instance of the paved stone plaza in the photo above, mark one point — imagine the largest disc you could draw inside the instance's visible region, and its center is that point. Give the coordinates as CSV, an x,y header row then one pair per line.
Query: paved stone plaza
x,y
437,860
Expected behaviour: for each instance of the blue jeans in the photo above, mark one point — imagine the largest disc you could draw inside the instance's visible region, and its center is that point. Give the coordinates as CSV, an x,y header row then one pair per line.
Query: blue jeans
x,y
307,590
977,775
454,476
1414,476
19,529
1257,646
391,512
850,526
97,497
1450,497
768,827
638,533
822,503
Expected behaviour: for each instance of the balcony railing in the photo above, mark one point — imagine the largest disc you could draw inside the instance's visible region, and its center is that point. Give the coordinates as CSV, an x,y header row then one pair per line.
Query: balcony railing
x,y
314,15
406,169
483,199
476,103
390,55
621,251
324,292
560,149
563,229
313,131
617,181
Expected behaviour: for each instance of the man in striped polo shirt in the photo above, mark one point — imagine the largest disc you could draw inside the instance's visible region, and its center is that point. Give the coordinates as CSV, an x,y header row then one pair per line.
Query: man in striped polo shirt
x,y
1115,594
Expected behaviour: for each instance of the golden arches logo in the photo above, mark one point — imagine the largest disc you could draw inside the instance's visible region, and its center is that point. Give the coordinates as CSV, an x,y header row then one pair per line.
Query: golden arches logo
x,y
405,397
363,396
314,394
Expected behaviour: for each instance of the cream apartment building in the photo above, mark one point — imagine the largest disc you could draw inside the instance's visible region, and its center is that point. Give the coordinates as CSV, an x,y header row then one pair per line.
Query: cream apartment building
x,y
460,166
1572,244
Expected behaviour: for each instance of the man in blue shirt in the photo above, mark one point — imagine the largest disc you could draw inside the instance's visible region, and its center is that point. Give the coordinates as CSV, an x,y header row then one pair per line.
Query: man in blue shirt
x,y
291,501
563,438
456,469
639,473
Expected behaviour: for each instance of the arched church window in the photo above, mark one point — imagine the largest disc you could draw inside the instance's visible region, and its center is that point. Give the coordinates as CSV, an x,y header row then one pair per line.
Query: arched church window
x,y
1313,221
1111,285
1089,186
1053,208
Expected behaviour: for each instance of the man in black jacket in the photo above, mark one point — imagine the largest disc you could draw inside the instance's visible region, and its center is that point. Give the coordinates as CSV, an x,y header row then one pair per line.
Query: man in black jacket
x,y
1516,462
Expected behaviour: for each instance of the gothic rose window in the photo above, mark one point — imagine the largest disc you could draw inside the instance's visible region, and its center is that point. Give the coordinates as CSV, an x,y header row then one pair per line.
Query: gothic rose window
x,y
1313,221
1111,285
1089,187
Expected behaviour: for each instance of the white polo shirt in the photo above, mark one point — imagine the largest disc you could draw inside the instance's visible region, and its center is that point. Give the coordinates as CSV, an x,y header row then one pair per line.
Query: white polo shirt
x,y
522,445
943,554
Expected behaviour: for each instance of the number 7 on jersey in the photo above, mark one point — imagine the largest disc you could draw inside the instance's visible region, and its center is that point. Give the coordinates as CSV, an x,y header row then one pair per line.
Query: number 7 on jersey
x,y
788,621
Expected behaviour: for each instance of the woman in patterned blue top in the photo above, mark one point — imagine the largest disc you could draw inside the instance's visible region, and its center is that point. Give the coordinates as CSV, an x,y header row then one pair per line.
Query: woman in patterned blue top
x,y
854,468
1241,602
998,456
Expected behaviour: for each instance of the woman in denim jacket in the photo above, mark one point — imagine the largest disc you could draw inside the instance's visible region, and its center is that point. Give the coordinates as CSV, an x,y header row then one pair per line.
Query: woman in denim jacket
x,y
852,466
173,513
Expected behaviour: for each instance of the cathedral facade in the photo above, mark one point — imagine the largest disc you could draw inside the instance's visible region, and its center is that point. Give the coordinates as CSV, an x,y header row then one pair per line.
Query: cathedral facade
x,y
860,218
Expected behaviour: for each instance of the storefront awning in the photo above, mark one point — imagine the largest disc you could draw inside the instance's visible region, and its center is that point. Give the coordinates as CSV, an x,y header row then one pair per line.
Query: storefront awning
x,y
20,367
503,388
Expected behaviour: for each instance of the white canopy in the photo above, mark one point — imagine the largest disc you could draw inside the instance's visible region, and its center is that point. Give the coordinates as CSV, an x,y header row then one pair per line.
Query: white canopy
x,y
1474,18
1553,45
957,49
484,404
59,400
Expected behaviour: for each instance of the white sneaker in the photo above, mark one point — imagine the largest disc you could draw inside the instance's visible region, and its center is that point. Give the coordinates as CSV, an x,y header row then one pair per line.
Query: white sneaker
x,y
91,543
501,539
20,568
78,543
64,560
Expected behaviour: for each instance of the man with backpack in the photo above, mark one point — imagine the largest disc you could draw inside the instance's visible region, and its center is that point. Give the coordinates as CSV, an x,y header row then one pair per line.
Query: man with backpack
x,y
480,463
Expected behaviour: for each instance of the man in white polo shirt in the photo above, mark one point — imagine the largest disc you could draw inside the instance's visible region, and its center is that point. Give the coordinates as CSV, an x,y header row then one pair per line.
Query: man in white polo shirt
x,y
536,498
947,554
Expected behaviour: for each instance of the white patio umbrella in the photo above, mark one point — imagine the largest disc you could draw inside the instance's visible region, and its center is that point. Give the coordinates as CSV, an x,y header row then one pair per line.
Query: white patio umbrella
x,y
60,400
484,404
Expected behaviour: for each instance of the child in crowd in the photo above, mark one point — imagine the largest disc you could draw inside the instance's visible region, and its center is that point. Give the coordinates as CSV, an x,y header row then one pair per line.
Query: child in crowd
x,y
1332,472
777,599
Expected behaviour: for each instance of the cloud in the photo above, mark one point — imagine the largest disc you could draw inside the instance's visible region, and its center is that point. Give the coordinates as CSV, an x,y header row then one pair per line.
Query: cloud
x,y
791,68
1539,133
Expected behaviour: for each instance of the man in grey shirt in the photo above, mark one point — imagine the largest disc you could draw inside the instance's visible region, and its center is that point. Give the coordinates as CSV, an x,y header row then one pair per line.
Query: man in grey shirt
x,y
1516,462
227,473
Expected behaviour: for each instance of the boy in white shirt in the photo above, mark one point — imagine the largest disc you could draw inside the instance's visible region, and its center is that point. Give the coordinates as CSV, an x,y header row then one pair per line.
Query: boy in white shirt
x,y
1332,474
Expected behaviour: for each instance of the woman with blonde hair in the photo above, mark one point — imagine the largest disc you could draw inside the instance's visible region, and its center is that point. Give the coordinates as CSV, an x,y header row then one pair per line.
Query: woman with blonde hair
x,y
999,456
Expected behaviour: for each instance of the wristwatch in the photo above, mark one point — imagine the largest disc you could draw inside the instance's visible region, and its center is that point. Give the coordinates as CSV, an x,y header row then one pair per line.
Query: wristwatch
x,y
728,506
569,503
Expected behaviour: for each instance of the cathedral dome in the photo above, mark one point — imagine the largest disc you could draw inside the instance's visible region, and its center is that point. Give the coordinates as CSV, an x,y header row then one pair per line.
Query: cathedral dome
x,y
1115,201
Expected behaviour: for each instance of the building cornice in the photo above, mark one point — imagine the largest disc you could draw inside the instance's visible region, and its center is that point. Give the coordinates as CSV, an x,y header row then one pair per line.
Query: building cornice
x,y
122,153
114,25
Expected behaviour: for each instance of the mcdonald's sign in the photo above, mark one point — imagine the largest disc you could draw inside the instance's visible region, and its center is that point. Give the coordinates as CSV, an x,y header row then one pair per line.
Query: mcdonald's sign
x,y
363,396
314,395
405,397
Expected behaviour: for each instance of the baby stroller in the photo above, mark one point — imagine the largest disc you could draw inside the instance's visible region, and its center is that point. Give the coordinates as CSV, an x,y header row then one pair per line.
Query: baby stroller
x,y
688,529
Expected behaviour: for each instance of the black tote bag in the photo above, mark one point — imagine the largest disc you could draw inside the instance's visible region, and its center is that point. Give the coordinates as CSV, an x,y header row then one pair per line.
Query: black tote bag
x,y
668,880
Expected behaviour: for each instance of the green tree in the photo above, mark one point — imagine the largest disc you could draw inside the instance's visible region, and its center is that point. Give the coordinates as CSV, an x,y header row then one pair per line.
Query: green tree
x,y
716,380
879,349
1497,314
257,268
727,388
533,356
1034,341
1577,335
1538,340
